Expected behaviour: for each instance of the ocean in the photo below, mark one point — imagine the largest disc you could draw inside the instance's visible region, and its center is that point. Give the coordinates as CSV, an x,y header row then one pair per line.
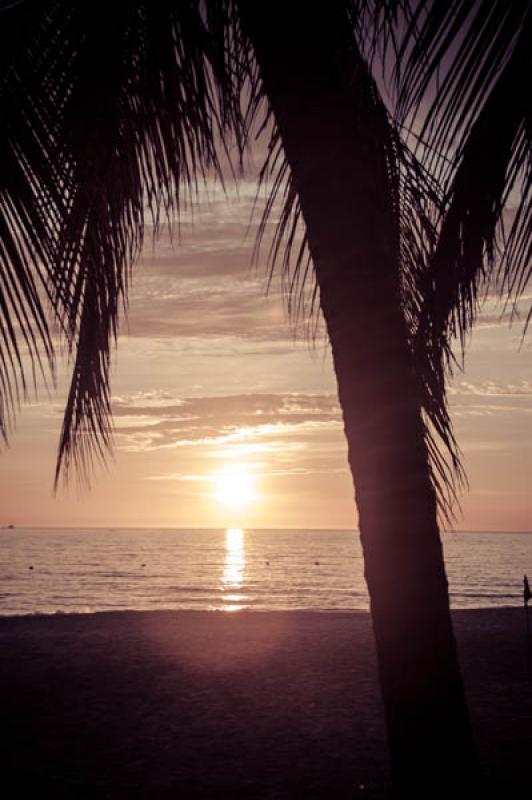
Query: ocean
x,y
66,571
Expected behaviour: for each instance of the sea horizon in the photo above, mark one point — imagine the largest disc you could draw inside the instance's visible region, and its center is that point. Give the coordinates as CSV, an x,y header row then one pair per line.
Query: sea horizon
x,y
13,526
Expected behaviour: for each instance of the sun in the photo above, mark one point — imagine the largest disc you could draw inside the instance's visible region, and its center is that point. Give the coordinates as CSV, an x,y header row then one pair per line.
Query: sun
x,y
235,487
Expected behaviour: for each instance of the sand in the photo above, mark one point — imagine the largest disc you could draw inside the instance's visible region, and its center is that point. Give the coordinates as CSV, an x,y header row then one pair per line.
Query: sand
x,y
244,705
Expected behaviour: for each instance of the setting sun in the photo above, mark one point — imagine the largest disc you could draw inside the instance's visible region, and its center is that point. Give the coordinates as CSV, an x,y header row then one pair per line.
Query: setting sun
x,y
235,488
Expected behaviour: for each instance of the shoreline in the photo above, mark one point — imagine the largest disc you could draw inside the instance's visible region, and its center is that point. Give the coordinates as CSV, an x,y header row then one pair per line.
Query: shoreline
x,y
250,704
231,612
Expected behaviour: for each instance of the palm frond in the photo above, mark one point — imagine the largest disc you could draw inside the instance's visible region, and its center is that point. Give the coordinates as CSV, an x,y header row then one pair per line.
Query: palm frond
x,y
27,213
288,250
469,62
106,122
463,105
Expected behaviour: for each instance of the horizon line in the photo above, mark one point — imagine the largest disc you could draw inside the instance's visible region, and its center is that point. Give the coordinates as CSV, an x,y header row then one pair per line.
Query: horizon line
x,y
7,526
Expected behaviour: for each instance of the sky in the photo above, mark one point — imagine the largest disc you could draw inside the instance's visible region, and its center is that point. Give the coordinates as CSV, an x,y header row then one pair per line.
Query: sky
x,y
226,413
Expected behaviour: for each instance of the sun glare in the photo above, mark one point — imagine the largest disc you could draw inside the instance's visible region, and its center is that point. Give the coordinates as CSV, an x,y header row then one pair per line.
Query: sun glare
x,y
235,488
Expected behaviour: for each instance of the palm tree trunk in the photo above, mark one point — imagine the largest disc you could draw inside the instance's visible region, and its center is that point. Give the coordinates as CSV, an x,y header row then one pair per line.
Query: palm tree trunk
x,y
332,131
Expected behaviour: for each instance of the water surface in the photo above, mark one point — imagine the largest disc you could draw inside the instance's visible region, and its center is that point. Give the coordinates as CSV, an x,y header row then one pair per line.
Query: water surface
x,y
49,571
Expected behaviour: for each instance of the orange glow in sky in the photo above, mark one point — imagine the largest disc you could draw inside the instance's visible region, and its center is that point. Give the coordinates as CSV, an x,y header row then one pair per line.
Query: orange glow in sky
x,y
222,419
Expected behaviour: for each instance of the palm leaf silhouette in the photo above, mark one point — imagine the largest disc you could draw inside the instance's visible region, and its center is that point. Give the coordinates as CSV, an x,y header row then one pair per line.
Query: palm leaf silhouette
x,y
103,123
108,122
476,140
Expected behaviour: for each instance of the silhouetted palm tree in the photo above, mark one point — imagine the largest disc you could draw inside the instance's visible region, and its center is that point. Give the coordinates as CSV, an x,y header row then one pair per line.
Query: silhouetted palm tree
x,y
111,109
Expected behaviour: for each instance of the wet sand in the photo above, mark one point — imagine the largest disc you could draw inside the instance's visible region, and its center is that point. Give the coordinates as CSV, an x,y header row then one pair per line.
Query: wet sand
x,y
245,705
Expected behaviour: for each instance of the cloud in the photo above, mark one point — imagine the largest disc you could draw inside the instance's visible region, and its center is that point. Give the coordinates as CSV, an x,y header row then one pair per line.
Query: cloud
x,y
169,308
215,237
492,389
265,473
200,280
241,405
244,424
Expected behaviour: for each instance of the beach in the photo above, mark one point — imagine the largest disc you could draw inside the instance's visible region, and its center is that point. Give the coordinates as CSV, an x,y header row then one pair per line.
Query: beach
x,y
233,705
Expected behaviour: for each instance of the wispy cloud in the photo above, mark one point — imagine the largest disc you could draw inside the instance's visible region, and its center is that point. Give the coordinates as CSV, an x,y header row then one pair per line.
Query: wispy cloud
x,y
244,424
492,389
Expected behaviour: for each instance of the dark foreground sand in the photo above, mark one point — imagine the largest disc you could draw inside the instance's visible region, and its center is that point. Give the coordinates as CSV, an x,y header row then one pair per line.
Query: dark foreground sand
x,y
245,705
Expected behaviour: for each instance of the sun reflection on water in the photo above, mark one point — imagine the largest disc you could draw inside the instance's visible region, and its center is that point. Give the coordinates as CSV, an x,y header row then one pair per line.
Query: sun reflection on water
x,y
233,575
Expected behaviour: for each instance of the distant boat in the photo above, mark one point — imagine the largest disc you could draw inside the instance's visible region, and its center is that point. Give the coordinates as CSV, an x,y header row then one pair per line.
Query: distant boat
x,y
10,527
